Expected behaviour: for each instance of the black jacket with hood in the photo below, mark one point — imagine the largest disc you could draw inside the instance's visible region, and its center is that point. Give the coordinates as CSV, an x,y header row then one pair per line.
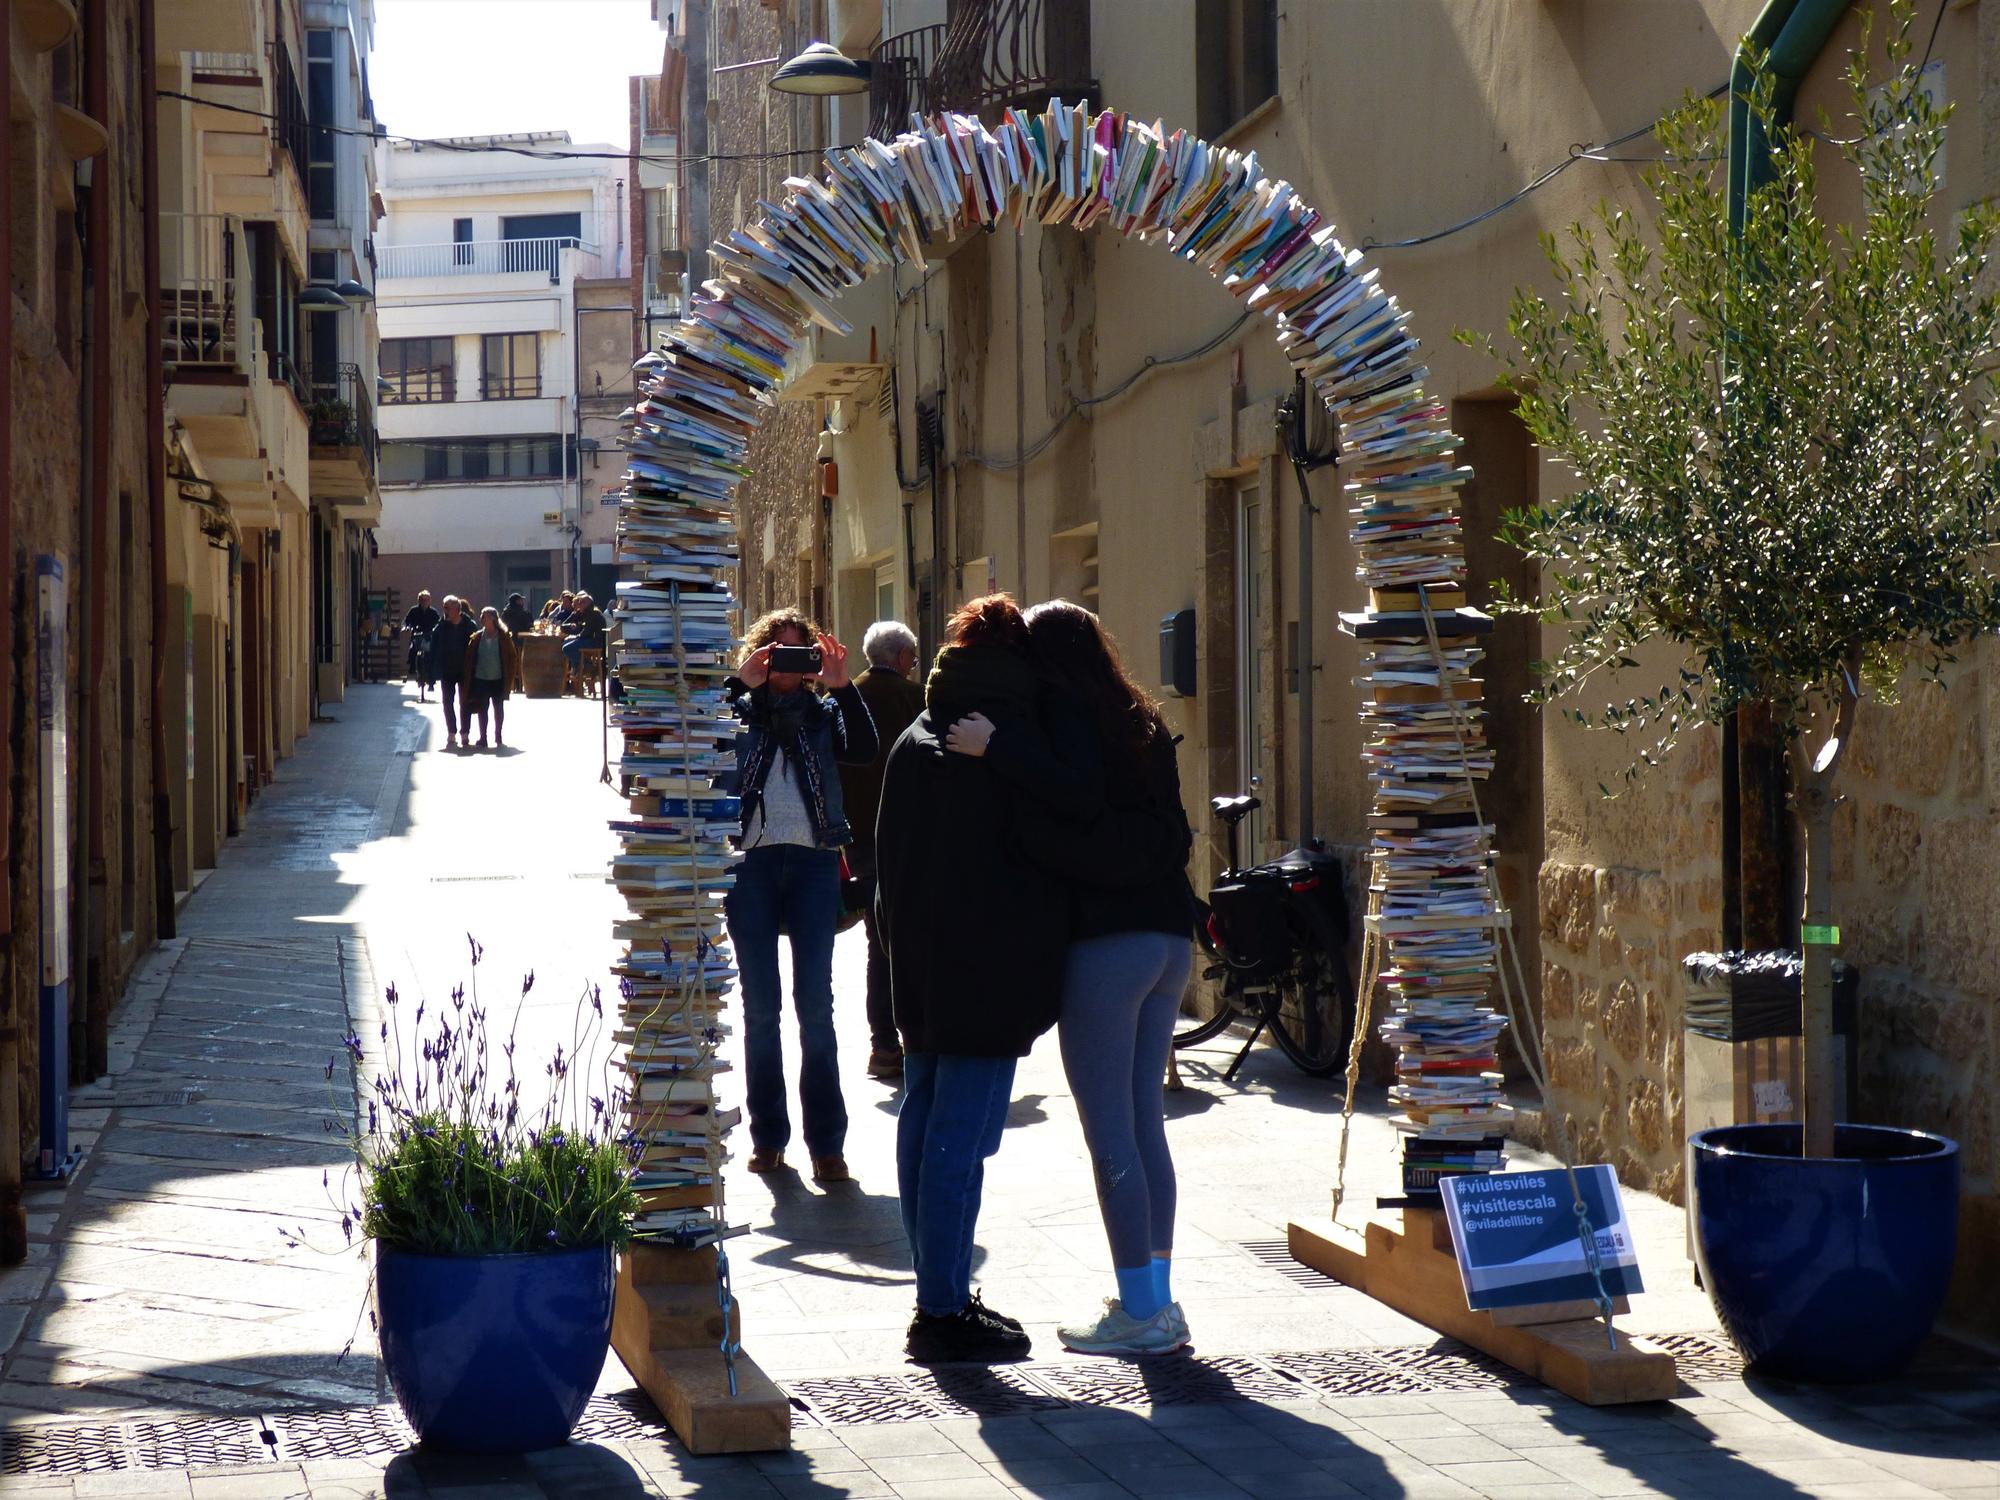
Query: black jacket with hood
x,y
974,926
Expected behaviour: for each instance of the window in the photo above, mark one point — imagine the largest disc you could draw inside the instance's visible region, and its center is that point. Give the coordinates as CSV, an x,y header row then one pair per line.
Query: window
x,y
463,460
461,242
1236,61
322,169
535,242
510,366
417,370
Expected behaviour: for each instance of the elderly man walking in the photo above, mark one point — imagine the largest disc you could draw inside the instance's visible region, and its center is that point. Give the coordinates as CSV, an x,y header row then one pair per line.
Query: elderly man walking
x,y
894,700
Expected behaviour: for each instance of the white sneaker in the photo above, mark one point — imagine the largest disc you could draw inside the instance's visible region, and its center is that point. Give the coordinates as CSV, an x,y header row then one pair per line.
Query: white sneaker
x,y
1177,1320
1118,1332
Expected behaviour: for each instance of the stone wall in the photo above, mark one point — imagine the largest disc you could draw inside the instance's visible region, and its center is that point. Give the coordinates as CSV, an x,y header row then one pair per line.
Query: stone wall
x,y
112,857
1611,940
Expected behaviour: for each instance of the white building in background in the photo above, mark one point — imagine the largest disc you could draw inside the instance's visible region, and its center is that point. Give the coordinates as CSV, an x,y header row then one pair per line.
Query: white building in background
x,y
480,252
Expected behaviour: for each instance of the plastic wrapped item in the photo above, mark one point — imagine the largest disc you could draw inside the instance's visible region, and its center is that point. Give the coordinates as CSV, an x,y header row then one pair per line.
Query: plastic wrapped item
x,y
1746,997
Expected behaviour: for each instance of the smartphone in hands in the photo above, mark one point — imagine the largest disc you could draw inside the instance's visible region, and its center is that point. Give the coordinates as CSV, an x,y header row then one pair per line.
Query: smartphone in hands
x,y
804,660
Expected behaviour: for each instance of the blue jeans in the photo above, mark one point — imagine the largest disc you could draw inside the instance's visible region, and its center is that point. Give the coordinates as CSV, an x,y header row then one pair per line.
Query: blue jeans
x,y
954,1109
799,889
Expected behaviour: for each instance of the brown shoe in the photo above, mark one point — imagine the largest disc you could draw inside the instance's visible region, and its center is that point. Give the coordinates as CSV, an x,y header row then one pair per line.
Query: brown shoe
x,y
831,1169
765,1159
885,1062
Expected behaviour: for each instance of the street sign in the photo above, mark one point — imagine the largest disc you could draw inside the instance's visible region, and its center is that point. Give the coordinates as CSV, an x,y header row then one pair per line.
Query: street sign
x,y
1515,1237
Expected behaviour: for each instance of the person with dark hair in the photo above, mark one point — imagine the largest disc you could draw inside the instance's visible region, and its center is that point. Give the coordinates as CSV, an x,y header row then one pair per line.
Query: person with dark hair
x,y
1131,924
976,937
794,825
418,624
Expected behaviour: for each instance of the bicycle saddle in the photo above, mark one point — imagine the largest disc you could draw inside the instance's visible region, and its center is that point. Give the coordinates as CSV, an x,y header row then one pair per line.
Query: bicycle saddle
x,y
1235,809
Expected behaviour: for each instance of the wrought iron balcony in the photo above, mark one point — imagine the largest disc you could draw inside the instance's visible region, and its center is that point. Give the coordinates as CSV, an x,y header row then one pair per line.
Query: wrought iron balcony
x,y
899,85
339,411
1001,54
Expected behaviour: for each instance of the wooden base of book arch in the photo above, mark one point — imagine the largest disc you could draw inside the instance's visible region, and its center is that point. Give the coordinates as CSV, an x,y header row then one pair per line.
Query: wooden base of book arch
x,y
877,204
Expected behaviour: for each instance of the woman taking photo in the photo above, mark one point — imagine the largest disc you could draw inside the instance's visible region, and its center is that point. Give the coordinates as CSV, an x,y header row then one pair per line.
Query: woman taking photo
x,y
1131,929
976,937
794,825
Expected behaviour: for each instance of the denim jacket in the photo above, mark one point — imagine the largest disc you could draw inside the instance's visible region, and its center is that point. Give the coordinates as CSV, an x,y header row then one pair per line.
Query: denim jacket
x,y
837,731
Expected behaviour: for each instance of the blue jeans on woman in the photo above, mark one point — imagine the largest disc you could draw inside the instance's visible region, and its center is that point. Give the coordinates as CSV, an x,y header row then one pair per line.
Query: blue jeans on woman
x,y
954,1110
797,889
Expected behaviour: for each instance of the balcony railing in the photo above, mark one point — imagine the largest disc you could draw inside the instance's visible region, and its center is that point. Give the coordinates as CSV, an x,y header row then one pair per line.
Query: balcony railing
x,y
482,258
294,131
1000,54
899,84
339,412
204,292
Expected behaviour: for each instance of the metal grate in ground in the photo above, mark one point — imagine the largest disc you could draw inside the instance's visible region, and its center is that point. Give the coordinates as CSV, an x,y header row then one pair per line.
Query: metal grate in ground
x,y
941,1394
1276,1255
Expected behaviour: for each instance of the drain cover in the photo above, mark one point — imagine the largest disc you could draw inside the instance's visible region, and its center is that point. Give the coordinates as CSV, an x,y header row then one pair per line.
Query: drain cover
x,y
1700,1358
1277,1255
157,1099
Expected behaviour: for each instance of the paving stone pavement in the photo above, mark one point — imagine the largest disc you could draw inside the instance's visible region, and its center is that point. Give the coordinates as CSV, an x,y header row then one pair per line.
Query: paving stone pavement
x,y
164,1337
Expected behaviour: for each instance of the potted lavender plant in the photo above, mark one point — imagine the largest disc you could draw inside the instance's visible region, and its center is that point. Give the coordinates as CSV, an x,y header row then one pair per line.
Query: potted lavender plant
x,y
495,1225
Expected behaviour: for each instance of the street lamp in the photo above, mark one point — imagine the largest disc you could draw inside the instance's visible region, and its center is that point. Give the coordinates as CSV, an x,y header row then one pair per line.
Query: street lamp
x,y
351,290
820,70
320,299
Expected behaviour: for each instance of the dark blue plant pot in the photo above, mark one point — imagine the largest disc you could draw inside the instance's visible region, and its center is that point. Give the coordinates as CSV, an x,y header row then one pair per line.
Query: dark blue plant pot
x,y
1829,1269
493,1353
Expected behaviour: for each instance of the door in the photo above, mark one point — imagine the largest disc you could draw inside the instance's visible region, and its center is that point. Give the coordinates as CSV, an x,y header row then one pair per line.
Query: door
x,y
1252,635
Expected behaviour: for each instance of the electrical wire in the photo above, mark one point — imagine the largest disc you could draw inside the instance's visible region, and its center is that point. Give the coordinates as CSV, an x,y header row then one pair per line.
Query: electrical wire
x,y
538,153
1080,404
1577,152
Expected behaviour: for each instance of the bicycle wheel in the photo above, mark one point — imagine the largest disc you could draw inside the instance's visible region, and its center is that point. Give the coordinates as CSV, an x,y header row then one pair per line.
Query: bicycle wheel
x,y
1215,1025
1316,1038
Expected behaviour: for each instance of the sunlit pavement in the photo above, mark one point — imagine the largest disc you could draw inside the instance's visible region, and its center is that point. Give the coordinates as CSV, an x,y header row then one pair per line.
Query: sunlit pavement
x,y
168,1338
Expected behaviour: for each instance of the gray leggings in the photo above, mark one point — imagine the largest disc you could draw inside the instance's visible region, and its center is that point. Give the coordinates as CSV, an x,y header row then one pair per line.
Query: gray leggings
x,y
1120,996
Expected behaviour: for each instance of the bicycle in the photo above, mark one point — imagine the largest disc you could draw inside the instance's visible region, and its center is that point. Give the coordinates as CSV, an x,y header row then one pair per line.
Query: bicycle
x,y
1276,933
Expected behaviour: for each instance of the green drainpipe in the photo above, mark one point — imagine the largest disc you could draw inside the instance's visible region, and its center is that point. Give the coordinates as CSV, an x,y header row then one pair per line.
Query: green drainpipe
x,y
1792,33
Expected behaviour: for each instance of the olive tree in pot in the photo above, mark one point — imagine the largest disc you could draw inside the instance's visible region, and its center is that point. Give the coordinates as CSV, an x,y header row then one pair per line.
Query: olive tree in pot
x,y
495,1222
1781,436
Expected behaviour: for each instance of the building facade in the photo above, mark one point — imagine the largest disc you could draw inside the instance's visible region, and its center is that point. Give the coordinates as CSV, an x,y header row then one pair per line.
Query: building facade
x,y
1066,414
482,251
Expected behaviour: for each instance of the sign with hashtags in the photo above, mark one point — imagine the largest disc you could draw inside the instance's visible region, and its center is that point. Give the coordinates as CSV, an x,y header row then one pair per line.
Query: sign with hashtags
x,y
1516,1237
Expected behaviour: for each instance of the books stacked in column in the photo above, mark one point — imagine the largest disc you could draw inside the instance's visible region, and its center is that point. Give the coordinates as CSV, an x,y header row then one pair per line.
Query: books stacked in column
x,y
686,439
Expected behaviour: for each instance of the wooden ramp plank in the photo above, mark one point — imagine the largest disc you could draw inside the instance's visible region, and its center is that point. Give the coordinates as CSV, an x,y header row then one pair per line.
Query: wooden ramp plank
x,y
1404,1267
666,1327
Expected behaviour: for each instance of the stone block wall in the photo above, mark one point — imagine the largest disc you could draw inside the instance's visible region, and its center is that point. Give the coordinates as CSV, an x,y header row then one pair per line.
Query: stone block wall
x,y
1612,940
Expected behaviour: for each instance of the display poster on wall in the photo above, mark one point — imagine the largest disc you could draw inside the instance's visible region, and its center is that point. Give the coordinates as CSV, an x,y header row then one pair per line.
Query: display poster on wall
x,y
1516,1237
52,734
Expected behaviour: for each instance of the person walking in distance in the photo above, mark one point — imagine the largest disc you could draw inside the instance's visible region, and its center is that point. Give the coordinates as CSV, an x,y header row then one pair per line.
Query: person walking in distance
x,y
418,624
1131,948
976,936
794,824
449,643
490,664
894,702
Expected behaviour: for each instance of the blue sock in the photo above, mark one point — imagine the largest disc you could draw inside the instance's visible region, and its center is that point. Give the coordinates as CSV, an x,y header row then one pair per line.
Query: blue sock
x,y
1135,1290
1163,1279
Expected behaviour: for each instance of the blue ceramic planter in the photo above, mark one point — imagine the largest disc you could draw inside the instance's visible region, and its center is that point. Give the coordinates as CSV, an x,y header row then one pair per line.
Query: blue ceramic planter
x,y
494,1353
1825,1269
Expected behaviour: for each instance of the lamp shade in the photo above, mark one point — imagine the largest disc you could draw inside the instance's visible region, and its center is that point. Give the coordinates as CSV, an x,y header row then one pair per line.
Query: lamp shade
x,y
351,290
822,69
324,298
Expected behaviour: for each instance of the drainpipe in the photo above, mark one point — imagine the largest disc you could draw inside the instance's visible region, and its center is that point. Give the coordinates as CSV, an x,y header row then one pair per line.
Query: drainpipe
x,y
1792,34
91,1059
13,1221
156,482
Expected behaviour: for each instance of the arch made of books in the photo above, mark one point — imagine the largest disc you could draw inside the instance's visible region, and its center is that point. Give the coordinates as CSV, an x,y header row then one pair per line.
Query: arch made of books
x,y
1432,915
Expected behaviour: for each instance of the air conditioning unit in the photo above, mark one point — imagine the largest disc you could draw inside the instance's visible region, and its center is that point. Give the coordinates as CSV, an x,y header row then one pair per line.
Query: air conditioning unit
x,y
552,518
